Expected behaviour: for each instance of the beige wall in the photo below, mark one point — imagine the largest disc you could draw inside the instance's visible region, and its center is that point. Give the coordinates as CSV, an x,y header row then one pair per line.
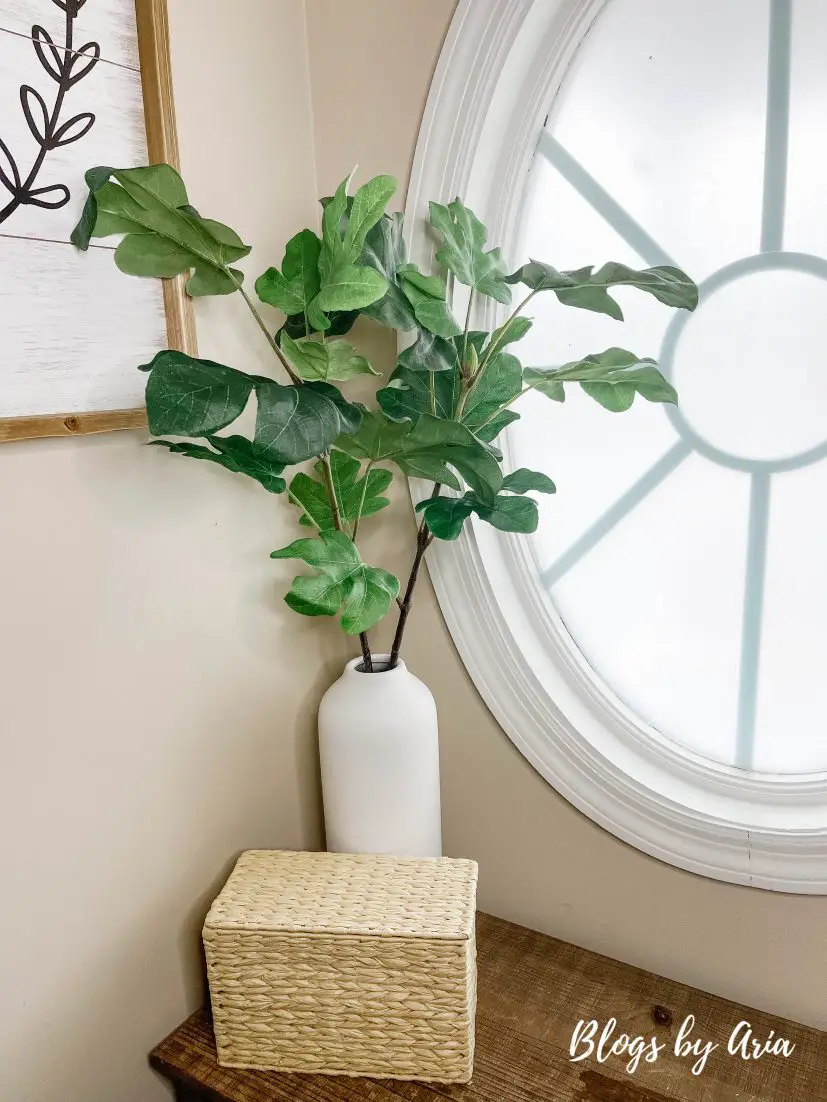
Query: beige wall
x,y
157,697
541,862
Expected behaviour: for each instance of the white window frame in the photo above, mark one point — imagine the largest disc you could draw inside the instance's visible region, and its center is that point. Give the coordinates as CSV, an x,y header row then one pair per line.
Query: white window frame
x,y
501,66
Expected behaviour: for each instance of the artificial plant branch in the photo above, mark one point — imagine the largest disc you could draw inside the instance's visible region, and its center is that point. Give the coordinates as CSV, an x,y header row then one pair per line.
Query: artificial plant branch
x,y
191,397
493,348
271,340
432,393
327,475
424,539
505,405
423,542
467,326
505,329
361,501
367,657
301,506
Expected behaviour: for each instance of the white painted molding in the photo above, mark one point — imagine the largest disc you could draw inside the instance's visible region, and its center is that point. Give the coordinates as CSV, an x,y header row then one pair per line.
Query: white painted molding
x,y
501,66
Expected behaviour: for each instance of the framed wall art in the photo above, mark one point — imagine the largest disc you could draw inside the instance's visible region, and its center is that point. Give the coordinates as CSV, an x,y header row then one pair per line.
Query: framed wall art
x,y
82,83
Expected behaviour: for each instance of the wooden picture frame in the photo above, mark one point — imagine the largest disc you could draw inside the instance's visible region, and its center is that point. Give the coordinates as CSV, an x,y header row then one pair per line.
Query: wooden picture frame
x,y
162,146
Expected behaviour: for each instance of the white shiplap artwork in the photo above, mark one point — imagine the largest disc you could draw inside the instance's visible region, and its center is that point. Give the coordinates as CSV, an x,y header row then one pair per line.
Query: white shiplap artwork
x,y
74,330
73,327
110,23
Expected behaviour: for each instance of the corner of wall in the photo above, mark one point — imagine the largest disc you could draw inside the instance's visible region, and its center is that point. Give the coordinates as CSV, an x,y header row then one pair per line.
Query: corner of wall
x,y
312,106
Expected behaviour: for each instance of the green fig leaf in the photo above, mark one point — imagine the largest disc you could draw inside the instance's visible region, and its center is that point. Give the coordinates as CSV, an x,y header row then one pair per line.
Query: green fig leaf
x,y
236,454
331,361
190,397
463,252
428,448
294,423
588,290
523,480
384,252
427,296
297,284
342,582
356,496
165,235
613,378
445,516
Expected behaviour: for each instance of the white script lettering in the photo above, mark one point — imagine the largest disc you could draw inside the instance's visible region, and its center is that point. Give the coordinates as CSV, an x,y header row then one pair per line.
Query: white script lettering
x,y
744,1043
684,1047
637,1048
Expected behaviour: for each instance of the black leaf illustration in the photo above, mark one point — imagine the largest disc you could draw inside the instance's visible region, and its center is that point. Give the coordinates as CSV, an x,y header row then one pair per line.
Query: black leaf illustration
x,y
39,127
9,173
71,131
42,41
38,197
90,53
65,66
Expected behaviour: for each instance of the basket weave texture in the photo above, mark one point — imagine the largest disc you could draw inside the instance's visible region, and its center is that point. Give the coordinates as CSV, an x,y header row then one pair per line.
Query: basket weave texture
x,y
345,964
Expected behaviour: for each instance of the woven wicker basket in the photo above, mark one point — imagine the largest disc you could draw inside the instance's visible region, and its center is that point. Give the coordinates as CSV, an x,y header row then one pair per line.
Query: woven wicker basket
x,y
345,965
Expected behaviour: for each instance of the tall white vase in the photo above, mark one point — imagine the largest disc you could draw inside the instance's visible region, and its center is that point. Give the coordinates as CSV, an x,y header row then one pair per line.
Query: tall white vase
x,y
379,750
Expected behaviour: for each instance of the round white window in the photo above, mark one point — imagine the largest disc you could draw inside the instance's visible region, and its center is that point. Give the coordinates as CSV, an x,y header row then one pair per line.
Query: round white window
x,y
656,648
686,549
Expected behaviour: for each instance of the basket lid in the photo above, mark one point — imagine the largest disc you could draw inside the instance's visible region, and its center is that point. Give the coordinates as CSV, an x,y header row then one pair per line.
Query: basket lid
x,y
343,893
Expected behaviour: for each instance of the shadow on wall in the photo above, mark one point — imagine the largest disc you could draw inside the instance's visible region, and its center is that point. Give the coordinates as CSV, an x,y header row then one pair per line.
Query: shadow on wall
x,y
109,985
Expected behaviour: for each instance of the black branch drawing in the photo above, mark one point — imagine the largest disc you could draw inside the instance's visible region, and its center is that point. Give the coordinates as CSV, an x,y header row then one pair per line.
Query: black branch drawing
x,y
66,66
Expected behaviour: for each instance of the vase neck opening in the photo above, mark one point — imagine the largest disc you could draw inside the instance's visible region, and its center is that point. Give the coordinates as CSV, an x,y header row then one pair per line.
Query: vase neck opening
x,y
381,664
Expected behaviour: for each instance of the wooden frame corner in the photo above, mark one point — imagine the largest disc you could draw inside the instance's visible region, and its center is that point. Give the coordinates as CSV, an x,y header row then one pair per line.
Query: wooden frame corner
x,y
162,146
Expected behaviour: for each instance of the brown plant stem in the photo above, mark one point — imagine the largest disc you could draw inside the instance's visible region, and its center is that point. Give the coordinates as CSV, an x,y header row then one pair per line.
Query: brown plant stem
x,y
367,657
423,542
424,539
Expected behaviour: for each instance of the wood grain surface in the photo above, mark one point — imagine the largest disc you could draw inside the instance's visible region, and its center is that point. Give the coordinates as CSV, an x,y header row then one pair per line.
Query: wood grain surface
x,y
162,146
72,424
532,992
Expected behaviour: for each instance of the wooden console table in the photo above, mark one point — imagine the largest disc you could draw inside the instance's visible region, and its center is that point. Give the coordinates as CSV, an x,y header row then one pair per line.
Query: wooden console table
x,y
533,990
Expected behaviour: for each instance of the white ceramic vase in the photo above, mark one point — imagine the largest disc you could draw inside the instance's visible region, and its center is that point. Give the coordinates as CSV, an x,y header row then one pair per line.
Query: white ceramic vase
x,y
379,750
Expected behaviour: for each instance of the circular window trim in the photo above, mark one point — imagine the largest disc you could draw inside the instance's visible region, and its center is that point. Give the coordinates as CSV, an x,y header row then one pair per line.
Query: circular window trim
x,y
500,69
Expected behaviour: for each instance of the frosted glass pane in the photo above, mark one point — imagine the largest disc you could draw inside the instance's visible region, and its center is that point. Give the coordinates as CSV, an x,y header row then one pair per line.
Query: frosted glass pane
x,y
749,381
559,222
665,107
806,226
791,728
656,607
593,456
559,226
685,549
